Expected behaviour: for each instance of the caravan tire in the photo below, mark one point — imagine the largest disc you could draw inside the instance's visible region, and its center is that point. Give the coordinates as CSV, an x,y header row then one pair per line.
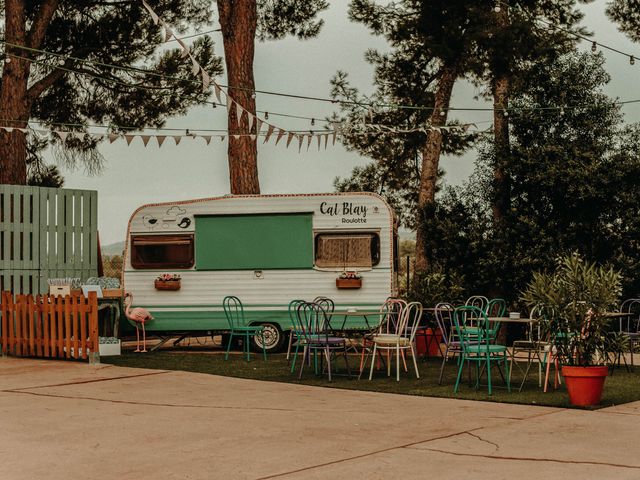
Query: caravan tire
x,y
273,339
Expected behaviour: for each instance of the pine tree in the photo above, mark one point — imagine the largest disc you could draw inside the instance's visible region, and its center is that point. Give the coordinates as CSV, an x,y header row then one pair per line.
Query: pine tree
x,y
76,84
243,21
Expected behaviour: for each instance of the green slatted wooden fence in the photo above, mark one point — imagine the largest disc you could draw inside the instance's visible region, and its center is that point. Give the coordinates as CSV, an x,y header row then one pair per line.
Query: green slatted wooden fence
x,y
46,233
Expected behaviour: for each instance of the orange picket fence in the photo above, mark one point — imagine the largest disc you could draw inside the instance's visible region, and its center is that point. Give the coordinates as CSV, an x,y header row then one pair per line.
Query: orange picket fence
x,y
50,326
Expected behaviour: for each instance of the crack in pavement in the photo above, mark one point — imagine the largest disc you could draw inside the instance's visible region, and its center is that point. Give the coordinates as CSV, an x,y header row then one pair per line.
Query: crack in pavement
x,y
533,459
94,380
497,447
364,455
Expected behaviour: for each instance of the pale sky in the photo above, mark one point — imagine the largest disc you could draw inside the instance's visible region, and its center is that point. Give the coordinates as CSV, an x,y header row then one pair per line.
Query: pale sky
x,y
136,175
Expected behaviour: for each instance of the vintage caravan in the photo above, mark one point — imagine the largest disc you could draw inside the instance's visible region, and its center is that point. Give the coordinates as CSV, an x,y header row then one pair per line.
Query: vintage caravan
x,y
265,249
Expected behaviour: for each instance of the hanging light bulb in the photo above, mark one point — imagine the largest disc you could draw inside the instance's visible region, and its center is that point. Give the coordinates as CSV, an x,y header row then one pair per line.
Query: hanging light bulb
x,y
632,60
253,94
561,111
594,47
505,113
442,113
7,59
497,8
266,115
313,121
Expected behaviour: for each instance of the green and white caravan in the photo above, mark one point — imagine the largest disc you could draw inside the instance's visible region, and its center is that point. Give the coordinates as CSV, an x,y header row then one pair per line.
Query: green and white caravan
x,y
265,249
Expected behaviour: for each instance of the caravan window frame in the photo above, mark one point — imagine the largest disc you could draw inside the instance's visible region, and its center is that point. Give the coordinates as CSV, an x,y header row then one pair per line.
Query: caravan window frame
x,y
184,263
376,248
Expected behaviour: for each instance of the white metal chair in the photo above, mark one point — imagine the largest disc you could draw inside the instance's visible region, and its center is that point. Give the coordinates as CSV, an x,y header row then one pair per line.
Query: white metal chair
x,y
399,339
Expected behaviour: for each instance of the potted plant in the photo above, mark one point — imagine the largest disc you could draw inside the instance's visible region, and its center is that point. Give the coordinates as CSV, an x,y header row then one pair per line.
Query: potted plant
x,y
573,302
168,281
349,280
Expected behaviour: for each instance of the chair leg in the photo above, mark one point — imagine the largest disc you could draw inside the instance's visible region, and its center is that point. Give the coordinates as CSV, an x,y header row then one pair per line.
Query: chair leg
x,y
327,354
404,361
346,359
508,367
264,349
226,356
460,368
398,362
289,345
305,352
489,374
246,346
415,363
373,360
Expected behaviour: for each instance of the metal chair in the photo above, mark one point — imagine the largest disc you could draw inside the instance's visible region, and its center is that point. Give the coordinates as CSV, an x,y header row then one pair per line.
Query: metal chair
x,y
403,338
630,326
444,318
390,313
314,335
234,312
478,349
535,346
293,332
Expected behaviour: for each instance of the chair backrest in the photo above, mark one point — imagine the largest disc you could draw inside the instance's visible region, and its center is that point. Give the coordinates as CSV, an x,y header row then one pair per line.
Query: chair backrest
x,y
411,320
311,320
496,307
444,319
293,312
630,324
390,313
233,311
478,301
325,304
482,335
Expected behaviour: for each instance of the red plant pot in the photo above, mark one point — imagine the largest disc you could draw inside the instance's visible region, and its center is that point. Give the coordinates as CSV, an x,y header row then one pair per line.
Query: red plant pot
x,y
585,384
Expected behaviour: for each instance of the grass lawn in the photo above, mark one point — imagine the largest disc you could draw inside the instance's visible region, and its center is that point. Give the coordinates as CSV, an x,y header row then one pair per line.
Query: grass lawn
x,y
621,387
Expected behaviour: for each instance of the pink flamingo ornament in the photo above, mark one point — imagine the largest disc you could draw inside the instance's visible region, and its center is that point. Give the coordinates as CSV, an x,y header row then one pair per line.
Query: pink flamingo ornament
x,y
140,316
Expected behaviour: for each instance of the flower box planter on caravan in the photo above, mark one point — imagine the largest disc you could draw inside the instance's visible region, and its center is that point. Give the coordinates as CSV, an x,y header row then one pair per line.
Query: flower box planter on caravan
x,y
265,249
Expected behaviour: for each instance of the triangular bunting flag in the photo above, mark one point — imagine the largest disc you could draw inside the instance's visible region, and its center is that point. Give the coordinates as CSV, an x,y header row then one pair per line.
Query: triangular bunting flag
x,y
63,135
195,66
153,14
253,137
23,130
280,135
231,105
206,80
8,129
236,136
289,138
239,112
319,138
177,138
300,140
222,138
168,33
251,119
185,49
113,137
129,138
269,132
207,138
258,125
309,137
160,139
79,135
326,140
334,134
145,139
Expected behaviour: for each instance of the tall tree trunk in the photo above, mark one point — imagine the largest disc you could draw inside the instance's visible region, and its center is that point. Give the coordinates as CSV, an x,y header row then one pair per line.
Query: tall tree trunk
x,y
500,89
430,162
238,19
14,110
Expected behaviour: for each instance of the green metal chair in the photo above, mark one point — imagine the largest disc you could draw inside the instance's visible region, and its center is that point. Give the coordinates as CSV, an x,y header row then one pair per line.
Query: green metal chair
x,y
234,312
477,347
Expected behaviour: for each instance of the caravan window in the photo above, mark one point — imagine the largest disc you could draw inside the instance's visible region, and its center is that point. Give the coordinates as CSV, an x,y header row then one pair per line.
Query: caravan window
x,y
345,250
162,251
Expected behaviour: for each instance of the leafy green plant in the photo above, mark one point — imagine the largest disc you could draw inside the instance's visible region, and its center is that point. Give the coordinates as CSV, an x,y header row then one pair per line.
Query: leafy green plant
x,y
573,301
436,286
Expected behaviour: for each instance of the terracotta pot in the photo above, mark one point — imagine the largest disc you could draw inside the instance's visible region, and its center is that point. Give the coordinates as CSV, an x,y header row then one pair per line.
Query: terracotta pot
x,y
167,284
348,282
585,384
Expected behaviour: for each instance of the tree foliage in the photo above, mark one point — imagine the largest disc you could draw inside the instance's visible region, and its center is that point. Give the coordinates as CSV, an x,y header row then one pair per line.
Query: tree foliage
x,y
107,68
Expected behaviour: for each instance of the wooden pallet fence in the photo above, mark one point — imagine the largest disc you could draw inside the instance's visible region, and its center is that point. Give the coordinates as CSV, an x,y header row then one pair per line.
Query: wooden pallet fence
x,y
50,326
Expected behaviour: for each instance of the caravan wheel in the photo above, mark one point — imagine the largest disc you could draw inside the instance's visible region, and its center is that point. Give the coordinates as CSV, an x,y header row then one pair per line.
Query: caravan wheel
x,y
273,339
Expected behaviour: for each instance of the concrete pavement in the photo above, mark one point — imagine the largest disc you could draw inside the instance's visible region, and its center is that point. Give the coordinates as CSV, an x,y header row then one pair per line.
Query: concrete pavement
x,y
64,420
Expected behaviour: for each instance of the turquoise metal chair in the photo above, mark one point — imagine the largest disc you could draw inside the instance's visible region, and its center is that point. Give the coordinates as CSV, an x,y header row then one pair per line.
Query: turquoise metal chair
x,y
477,347
234,312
